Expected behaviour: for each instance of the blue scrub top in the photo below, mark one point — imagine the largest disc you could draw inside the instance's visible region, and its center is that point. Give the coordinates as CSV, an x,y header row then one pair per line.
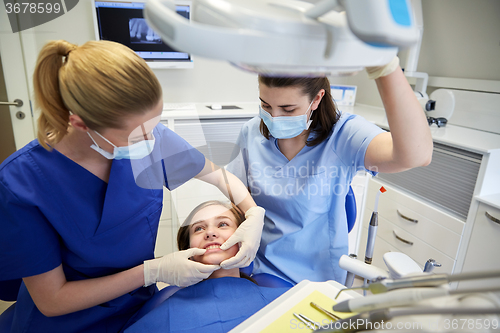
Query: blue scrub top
x,y
305,229
53,211
214,305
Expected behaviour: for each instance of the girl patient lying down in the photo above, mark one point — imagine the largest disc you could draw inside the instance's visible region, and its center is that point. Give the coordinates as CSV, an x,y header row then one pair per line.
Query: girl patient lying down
x,y
219,303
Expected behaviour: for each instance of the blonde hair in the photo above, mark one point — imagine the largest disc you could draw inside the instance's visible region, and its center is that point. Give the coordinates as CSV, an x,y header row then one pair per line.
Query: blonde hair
x,y
100,81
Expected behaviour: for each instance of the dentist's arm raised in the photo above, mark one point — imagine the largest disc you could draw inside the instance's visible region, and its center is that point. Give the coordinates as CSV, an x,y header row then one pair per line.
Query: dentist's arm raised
x,y
249,232
409,142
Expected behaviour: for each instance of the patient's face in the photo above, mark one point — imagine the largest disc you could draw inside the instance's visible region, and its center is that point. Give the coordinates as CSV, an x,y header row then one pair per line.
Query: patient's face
x,y
210,228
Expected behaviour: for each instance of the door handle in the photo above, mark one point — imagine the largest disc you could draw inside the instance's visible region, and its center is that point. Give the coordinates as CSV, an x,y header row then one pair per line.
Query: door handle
x,y
17,102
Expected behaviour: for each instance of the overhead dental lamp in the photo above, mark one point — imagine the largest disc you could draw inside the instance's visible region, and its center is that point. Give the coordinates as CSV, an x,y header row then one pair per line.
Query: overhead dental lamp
x,y
289,37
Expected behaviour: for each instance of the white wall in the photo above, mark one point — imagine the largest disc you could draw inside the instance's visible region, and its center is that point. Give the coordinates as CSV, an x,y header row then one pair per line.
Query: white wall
x,y
460,40
209,80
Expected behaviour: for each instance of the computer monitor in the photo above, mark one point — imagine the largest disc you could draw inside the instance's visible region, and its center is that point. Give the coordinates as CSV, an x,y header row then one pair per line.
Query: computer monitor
x,y
123,22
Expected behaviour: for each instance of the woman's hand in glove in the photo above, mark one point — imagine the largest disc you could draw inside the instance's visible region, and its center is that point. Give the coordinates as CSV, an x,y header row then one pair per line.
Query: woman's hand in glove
x,y
177,269
248,235
380,71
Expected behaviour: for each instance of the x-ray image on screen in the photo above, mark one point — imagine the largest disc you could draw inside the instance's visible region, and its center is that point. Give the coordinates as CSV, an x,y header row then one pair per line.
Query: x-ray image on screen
x,y
123,22
141,33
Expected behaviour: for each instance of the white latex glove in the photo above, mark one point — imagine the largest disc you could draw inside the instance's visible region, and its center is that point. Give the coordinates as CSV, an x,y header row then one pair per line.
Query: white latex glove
x,y
177,269
248,235
379,71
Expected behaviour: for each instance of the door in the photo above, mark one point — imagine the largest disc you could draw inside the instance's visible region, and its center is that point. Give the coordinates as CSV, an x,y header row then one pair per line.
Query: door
x,y
7,142
16,122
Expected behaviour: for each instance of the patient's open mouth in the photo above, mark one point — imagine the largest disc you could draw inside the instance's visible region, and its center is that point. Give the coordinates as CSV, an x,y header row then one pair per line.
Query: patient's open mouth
x,y
212,246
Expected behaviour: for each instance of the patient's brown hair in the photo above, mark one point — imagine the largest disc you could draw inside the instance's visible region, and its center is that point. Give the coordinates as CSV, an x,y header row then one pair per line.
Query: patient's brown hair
x,y
183,233
183,242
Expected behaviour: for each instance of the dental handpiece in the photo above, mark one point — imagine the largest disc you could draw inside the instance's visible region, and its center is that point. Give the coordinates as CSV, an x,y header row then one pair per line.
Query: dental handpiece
x,y
365,321
383,285
399,298
372,233
433,280
393,298
372,229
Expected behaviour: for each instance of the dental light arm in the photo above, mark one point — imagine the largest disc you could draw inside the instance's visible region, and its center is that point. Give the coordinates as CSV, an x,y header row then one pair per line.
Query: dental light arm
x,y
289,36
382,22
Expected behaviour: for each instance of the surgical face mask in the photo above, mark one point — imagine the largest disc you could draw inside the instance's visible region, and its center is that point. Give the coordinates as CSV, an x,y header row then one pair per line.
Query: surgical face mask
x,y
135,151
285,127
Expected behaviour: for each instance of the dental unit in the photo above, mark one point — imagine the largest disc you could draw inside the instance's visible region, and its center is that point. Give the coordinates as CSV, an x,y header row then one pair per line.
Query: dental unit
x,y
351,34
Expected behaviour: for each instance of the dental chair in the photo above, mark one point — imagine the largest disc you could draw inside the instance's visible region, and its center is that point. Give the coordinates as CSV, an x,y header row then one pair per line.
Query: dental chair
x,y
6,318
262,279
350,209
8,293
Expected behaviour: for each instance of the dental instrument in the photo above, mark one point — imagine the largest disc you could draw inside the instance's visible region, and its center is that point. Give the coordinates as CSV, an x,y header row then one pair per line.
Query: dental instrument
x,y
430,264
383,285
349,279
358,267
326,312
399,298
372,232
366,320
306,321
372,229
332,37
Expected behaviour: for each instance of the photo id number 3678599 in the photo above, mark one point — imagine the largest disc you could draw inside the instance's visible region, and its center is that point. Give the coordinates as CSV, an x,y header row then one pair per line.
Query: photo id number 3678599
x,y
32,8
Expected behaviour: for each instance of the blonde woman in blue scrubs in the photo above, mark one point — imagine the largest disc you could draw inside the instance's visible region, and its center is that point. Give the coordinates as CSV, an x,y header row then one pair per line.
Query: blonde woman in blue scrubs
x,y
80,206
299,157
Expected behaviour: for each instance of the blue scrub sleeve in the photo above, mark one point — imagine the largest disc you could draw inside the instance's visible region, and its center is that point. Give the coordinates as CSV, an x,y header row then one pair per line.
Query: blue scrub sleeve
x,y
182,161
28,243
172,163
352,137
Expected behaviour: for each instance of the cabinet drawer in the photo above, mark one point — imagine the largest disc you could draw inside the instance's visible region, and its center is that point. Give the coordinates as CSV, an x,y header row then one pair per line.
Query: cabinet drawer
x,y
417,218
418,250
484,246
432,213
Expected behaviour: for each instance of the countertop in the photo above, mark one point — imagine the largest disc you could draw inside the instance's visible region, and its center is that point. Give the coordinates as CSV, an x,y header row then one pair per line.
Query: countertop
x,y
492,200
460,137
201,111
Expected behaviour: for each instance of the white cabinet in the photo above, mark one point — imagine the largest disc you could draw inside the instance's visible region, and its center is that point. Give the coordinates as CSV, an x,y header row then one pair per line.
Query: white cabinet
x,y
462,237
483,252
216,139
411,226
214,133
165,238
